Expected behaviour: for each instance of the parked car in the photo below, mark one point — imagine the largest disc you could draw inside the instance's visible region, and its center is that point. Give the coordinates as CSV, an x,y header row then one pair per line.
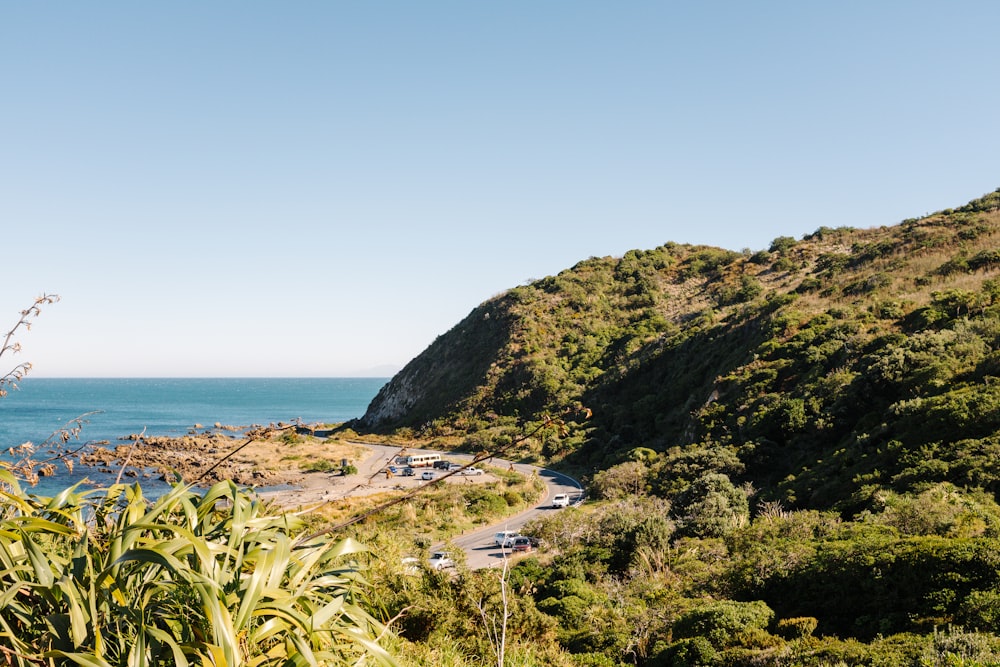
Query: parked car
x,y
408,472
523,543
471,471
427,474
440,560
453,466
560,500
443,465
505,538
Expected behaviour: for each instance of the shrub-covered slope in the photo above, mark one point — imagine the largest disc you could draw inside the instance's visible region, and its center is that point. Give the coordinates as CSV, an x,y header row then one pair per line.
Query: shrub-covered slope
x,y
819,370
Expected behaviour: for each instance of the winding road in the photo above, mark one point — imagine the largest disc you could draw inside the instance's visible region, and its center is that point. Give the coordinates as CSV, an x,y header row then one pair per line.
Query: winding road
x,y
479,545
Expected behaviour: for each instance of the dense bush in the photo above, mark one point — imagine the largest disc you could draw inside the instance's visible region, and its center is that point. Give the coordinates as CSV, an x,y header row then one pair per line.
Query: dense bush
x,y
722,623
865,587
782,244
798,627
842,385
688,652
711,506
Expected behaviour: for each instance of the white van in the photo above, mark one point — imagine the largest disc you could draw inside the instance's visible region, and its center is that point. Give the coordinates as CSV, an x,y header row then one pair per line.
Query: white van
x,y
560,500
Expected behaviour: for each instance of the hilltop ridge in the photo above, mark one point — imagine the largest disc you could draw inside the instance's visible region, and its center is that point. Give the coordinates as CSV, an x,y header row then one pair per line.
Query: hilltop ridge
x,y
816,370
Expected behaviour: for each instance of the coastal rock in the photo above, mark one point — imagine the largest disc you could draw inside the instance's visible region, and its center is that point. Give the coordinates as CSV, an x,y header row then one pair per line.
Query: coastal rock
x,y
198,459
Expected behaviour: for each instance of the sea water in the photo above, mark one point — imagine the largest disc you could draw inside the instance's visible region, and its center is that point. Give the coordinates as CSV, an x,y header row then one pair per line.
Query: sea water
x,y
113,409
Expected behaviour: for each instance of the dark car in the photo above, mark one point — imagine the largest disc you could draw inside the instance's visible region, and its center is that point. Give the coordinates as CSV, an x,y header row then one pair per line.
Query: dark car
x,y
442,464
408,472
524,543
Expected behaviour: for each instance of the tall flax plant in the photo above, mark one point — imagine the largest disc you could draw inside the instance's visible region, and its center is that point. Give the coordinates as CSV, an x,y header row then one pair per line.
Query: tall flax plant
x,y
107,577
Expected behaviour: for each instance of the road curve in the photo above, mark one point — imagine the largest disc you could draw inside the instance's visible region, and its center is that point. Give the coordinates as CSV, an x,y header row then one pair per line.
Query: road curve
x,y
479,546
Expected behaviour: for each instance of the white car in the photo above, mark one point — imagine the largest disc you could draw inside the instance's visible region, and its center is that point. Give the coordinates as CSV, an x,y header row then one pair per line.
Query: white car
x,y
560,500
440,560
505,538
471,471
426,475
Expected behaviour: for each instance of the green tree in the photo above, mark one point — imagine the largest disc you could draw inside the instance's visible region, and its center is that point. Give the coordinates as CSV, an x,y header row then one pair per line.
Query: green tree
x,y
624,479
711,507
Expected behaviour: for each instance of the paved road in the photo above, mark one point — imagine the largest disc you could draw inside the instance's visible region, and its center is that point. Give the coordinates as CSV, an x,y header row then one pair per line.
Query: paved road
x,y
479,546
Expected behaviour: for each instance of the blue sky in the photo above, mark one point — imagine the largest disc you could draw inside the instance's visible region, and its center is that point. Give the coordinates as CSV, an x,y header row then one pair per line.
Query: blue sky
x,y
322,188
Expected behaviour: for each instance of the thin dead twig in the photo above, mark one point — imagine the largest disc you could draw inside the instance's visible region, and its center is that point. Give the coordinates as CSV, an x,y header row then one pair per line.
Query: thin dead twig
x,y
252,436
547,421
128,457
16,374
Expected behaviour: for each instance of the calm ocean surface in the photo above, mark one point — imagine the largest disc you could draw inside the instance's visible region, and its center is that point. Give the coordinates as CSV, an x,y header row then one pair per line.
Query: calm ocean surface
x,y
171,407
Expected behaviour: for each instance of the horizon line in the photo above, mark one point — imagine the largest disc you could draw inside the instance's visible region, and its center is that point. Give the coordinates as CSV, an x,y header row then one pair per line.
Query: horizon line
x,y
206,377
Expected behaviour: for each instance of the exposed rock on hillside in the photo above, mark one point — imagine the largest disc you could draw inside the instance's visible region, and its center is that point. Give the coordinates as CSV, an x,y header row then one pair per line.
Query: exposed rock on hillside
x,y
816,368
444,377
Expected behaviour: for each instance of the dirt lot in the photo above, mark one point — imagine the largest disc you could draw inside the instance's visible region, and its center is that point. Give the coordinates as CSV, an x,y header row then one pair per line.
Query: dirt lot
x,y
292,469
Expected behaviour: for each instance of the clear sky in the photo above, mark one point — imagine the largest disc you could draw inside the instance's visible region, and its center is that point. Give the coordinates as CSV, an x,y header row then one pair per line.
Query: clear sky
x,y
321,188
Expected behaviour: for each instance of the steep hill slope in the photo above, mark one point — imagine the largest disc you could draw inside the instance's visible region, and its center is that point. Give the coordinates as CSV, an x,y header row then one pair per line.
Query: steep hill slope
x,y
820,370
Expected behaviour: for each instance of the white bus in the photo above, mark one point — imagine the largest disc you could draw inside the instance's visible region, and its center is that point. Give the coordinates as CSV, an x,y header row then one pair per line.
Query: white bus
x,y
422,460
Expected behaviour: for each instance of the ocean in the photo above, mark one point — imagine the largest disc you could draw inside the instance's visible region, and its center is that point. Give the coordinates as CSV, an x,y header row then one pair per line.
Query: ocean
x,y
116,408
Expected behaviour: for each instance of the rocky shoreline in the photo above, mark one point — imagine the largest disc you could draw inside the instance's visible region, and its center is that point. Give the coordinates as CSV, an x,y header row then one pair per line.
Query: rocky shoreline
x,y
294,467
190,459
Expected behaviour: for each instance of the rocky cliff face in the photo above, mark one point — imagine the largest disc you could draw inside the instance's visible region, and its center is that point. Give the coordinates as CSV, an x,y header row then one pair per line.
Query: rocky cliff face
x,y
394,401
449,373
817,365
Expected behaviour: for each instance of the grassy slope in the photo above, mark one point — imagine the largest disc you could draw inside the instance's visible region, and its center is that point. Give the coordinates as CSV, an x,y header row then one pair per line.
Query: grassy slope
x,y
852,370
828,364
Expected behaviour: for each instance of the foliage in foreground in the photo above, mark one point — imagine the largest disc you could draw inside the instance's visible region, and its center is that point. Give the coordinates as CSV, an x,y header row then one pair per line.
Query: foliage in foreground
x,y
623,584
106,577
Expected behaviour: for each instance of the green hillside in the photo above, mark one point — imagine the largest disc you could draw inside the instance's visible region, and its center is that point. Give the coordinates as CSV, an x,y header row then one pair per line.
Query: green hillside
x,y
792,457
817,370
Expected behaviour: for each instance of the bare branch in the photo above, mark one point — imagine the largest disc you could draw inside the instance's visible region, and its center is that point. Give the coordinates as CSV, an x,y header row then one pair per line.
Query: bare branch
x,y
131,449
251,436
11,346
547,422
25,466
497,636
